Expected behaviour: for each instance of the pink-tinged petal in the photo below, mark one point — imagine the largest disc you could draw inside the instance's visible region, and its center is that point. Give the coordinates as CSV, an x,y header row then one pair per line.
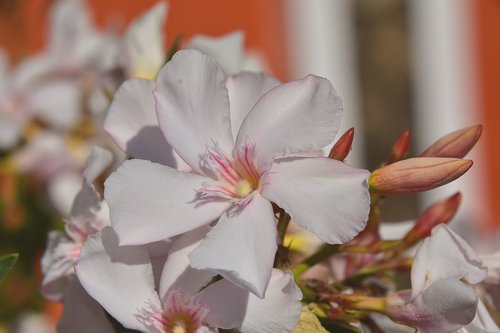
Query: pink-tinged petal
x,y
444,306
193,106
143,43
132,123
177,273
244,91
62,191
150,202
98,161
57,265
241,246
81,313
120,278
445,255
290,118
233,307
57,103
227,49
327,197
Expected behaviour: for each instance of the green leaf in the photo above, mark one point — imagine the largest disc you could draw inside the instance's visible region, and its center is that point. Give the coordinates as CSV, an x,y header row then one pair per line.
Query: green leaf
x,y
6,264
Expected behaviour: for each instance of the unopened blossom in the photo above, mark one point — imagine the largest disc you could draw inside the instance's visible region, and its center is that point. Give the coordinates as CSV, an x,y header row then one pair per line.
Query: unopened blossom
x,y
107,271
241,161
88,215
442,298
417,175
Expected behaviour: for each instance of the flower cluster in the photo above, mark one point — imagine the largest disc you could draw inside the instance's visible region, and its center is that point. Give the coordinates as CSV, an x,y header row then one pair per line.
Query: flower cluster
x,y
202,179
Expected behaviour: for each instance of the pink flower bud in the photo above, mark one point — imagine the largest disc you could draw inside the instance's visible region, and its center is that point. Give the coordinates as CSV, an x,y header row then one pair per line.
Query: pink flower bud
x,y
456,144
400,147
440,212
417,174
343,146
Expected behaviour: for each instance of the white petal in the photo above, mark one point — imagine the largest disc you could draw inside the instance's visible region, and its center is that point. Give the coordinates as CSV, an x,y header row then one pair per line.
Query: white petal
x,y
324,196
99,159
10,130
233,307
177,273
193,106
445,255
30,70
244,91
58,103
227,50
55,266
143,43
132,123
87,203
290,118
81,313
120,278
63,190
241,246
150,202
444,306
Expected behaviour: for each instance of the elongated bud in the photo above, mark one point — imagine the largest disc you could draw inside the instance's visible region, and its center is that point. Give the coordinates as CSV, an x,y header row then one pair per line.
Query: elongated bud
x,y
456,144
400,147
440,212
343,146
416,175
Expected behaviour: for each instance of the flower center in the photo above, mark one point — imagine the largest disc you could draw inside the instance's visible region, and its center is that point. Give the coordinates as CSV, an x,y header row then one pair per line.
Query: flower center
x,y
237,177
179,315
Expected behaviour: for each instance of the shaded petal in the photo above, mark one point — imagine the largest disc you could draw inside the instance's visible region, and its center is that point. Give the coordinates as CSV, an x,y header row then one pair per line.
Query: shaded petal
x,y
227,49
244,91
290,118
86,204
98,161
241,246
444,306
193,106
177,273
233,307
57,102
482,323
150,202
143,43
445,255
132,123
120,278
324,196
81,313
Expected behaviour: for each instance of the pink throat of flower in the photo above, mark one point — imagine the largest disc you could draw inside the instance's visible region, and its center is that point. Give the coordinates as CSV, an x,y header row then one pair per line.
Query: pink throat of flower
x,y
237,178
179,315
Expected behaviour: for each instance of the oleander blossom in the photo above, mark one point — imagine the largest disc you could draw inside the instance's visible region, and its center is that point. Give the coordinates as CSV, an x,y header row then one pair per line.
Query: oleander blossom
x,y
88,215
249,141
185,300
442,298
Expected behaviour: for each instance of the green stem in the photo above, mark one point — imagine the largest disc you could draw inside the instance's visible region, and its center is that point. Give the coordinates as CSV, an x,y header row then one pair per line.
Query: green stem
x,y
325,252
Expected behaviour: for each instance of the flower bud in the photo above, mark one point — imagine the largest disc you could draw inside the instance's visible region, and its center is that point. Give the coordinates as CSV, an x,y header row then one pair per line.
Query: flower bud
x,y
440,212
400,147
456,144
343,146
416,175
